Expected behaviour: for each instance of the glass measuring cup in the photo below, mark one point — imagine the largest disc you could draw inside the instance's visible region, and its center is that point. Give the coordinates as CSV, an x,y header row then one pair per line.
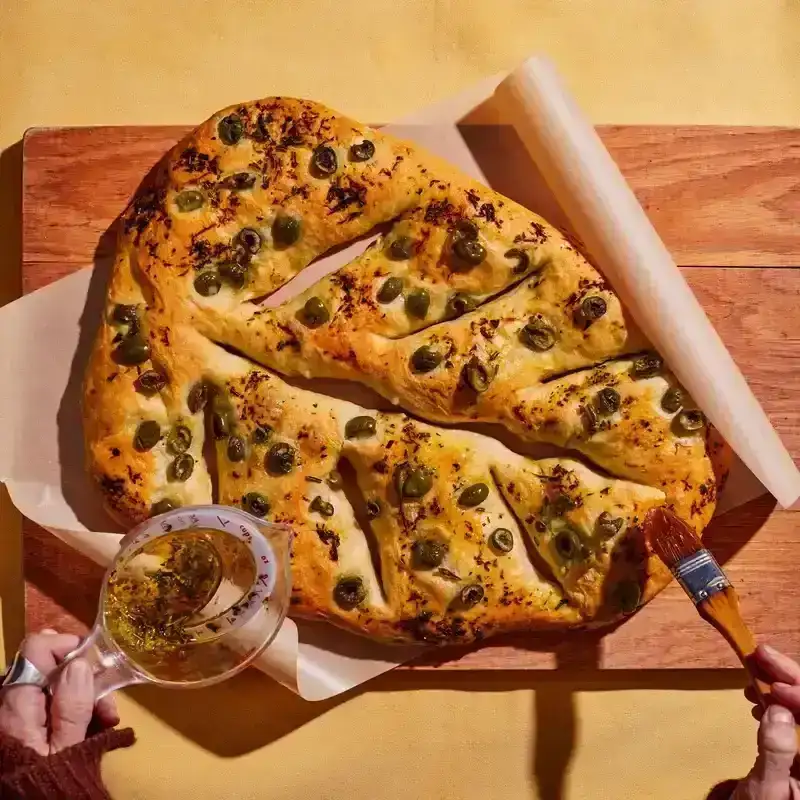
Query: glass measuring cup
x,y
227,575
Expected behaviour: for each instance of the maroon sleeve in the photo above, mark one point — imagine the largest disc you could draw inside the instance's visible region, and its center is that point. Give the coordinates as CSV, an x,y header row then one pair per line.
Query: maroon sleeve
x,y
72,774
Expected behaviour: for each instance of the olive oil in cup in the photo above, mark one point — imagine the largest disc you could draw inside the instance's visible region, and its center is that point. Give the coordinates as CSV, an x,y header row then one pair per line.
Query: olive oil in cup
x,y
193,596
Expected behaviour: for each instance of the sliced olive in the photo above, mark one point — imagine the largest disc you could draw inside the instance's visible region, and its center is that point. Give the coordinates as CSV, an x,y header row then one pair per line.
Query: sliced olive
x,y
672,400
591,309
402,248
428,553
280,459
607,526
522,258
207,284
362,151
413,483
323,160
590,419
473,495
417,303
314,313
646,366
360,427
690,420
458,304
249,239
425,359
464,229
607,401
335,480
162,506
502,539
469,253
234,274
220,424
322,507
147,436
373,508
627,596
391,289
538,335
472,595
125,314
261,434
256,504
190,200
349,593
181,468
567,544
286,229
230,129
198,397
179,440
150,382
240,181
236,449
478,375
131,350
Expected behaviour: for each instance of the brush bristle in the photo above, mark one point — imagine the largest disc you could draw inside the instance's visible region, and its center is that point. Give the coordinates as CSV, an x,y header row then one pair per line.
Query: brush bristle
x,y
669,537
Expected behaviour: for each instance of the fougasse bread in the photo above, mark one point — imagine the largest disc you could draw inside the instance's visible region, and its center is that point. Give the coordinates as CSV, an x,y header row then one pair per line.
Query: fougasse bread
x,y
467,308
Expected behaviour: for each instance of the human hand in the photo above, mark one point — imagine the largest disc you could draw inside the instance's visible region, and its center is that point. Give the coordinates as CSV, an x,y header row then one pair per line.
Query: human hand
x,y
49,724
771,776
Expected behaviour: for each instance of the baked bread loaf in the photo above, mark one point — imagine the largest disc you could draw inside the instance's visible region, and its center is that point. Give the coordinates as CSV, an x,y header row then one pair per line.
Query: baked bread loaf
x,y
469,308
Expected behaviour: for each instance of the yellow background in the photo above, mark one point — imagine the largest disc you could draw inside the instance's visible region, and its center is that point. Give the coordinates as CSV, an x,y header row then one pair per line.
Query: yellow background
x,y
511,736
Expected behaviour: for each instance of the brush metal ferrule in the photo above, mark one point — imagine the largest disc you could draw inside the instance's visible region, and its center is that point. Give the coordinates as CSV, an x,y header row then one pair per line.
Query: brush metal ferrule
x,y
701,576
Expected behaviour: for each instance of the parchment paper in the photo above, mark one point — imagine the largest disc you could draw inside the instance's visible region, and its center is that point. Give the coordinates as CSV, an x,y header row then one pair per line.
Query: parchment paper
x,y
45,338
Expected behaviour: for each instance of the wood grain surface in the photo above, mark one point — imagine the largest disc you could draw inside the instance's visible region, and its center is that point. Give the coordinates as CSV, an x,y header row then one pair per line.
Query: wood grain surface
x,y
724,199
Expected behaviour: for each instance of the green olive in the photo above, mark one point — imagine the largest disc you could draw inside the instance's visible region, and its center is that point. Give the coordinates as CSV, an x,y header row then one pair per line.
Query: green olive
x,y
412,482
537,335
131,350
464,229
360,427
125,314
179,440
236,449
627,595
323,160
646,365
607,526
417,303
391,289
362,151
690,420
198,397
502,540
672,400
235,275
150,382
230,129
220,424
607,401
280,459
425,359
207,284
373,508
190,200
314,313
473,495
256,504
468,253
249,239
147,436
478,375
322,507
286,229
428,553
458,304
591,309
181,468
162,506
567,544
472,595
402,248
239,181
349,593
522,258
335,480
261,434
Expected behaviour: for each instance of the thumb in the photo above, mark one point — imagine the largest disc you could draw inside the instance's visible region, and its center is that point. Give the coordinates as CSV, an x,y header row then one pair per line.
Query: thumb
x,y
777,748
72,706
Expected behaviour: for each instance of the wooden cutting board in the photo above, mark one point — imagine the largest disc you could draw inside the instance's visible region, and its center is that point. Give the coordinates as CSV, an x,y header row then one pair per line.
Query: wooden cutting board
x,y
725,200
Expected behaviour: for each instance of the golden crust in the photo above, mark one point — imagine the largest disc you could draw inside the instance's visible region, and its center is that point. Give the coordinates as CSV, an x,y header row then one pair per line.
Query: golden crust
x,y
252,167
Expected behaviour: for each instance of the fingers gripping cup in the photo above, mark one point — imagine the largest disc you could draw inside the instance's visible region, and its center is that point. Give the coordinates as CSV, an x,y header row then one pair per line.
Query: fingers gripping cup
x,y
192,597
